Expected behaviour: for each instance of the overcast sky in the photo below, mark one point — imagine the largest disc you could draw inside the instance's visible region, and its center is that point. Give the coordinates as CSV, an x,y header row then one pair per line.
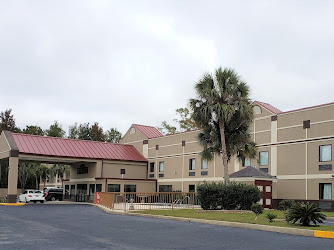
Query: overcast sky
x,y
124,62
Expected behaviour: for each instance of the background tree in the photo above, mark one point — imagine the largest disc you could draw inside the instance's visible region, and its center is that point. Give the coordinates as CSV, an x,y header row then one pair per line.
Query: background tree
x,y
185,123
224,112
113,135
166,128
23,174
97,133
73,131
55,130
33,130
84,132
7,121
44,172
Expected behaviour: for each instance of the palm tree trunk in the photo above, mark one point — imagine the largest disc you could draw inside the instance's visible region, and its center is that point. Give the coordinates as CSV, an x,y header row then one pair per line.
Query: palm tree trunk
x,y
224,153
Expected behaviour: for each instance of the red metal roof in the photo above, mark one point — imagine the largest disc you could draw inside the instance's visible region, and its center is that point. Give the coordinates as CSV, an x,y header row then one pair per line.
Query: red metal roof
x,y
148,131
269,107
60,147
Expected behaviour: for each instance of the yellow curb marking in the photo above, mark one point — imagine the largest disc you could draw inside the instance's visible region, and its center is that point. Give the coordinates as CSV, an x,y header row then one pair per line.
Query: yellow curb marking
x,y
324,234
12,204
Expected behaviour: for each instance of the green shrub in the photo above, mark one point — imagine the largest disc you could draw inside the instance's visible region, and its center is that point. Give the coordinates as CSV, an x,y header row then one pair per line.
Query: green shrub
x,y
305,214
271,216
285,205
231,196
257,209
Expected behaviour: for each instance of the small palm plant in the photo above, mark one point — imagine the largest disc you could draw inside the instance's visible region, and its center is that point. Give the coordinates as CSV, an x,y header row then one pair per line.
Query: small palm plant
x,y
271,217
305,214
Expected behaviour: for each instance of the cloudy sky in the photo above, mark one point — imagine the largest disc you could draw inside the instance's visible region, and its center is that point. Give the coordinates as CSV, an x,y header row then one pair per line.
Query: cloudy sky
x,y
124,62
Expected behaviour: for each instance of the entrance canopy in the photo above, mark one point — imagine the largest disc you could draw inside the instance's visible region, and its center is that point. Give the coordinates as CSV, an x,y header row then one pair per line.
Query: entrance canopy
x,y
24,147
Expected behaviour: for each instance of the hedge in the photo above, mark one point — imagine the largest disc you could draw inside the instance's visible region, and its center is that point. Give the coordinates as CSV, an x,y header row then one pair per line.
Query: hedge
x,y
217,195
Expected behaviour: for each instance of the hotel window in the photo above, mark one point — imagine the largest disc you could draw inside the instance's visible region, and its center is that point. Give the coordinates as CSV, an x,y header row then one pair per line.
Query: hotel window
x,y
247,162
114,188
192,163
264,158
325,191
204,164
130,188
98,187
151,167
325,153
161,166
191,188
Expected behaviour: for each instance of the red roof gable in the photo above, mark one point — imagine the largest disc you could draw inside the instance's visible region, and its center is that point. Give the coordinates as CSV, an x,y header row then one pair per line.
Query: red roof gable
x,y
269,107
60,147
148,131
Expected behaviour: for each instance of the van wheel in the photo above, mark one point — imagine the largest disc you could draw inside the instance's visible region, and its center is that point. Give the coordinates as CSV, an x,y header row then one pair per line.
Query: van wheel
x,y
53,198
26,200
34,201
42,201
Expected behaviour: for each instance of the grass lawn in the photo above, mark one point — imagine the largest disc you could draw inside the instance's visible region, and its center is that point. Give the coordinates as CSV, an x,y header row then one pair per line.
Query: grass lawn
x,y
238,217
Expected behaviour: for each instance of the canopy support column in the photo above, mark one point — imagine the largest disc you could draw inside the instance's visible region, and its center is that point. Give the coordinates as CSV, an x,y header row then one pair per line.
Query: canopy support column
x,y
12,179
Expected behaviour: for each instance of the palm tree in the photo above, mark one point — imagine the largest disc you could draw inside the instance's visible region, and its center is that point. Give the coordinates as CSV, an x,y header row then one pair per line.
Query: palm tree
x,y
44,171
224,112
305,214
60,170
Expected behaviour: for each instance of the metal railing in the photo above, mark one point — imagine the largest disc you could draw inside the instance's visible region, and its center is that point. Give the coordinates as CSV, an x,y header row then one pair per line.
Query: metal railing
x,y
148,201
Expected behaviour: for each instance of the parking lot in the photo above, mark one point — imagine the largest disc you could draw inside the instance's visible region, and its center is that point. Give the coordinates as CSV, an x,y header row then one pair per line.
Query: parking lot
x,y
41,226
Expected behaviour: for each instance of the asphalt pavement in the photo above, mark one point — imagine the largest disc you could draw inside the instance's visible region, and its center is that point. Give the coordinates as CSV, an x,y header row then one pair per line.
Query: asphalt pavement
x,y
40,226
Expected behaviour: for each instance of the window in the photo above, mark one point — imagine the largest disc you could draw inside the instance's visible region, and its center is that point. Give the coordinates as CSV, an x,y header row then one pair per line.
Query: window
x,y
130,188
151,167
122,171
82,169
165,188
192,164
264,170
161,166
114,188
247,162
98,187
204,164
151,176
325,167
204,172
325,191
264,158
191,188
191,173
325,153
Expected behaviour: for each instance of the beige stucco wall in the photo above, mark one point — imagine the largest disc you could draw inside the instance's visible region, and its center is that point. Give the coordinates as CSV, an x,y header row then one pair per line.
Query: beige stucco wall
x,y
291,189
291,159
91,170
315,115
132,170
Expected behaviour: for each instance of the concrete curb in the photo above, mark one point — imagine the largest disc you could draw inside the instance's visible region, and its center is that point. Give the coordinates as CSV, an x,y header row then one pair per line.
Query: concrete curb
x,y
284,230
12,204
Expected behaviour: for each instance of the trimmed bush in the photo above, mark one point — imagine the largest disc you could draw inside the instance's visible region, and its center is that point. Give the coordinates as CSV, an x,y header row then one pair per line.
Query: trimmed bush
x,y
305,214
257,209
214,196
285,205
271,217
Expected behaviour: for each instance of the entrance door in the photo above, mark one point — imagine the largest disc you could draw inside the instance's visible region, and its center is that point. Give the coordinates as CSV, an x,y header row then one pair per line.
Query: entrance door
x,y
266,195
81,192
